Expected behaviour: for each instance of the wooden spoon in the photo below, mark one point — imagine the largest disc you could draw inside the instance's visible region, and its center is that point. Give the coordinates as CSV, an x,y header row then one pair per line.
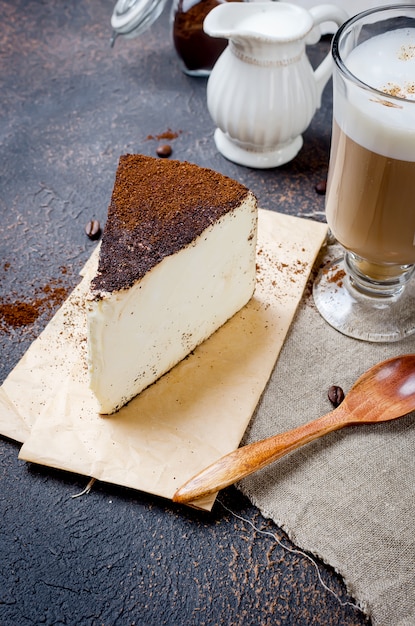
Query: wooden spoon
x,y
385,392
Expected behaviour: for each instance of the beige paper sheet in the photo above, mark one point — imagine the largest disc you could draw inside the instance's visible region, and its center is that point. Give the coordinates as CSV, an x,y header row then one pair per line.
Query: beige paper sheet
x,y
192,415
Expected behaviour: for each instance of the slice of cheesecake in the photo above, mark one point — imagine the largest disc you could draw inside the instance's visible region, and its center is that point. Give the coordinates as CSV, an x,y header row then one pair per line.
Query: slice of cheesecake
x,y
177,260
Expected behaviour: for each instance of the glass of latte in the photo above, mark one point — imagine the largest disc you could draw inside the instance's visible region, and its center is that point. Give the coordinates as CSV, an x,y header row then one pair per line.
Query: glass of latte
x,y
369,293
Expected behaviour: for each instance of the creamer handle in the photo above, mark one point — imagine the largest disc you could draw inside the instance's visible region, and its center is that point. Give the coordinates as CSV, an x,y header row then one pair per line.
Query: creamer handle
x,y
326,13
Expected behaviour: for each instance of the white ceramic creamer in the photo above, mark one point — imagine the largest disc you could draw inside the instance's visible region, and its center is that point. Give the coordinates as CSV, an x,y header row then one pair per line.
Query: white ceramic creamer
x,y
262,92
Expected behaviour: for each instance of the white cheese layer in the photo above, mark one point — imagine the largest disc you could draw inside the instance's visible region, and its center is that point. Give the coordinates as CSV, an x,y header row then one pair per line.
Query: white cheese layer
x,y
136,335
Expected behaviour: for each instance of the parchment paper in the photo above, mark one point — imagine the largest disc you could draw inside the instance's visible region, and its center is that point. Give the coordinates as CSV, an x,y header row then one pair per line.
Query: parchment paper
x,y
192,415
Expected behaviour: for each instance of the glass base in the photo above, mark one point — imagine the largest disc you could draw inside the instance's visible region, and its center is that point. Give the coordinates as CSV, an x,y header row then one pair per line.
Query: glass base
x,y
378,317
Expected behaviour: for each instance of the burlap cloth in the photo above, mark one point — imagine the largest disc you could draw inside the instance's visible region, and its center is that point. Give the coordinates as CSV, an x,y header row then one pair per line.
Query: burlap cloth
x,y
349,497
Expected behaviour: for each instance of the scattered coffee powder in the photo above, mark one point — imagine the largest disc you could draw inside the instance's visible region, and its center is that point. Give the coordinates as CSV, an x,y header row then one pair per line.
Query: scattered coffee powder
x,y
167,134
16,312
337,278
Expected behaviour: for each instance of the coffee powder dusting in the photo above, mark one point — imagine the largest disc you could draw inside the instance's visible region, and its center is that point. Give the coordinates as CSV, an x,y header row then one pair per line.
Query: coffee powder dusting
x,y
16,312
157,208
337,278
167,134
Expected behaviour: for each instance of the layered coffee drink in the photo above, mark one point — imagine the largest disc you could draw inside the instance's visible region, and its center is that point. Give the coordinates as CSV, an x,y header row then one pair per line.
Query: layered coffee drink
x,y
368,293
370,202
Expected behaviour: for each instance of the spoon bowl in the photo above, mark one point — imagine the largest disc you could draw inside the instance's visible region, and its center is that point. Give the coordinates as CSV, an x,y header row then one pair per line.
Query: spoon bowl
x,y
385,392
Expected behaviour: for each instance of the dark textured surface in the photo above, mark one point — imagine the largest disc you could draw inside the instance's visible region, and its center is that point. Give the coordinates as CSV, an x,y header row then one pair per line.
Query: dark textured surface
x,y
69,107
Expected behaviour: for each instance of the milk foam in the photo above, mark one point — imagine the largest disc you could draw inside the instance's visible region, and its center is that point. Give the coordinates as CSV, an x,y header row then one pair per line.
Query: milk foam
x,y
285,22
387,126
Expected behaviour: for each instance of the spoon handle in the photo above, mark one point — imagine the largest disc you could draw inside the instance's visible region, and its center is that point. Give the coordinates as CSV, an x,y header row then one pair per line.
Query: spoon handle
x,y
248,459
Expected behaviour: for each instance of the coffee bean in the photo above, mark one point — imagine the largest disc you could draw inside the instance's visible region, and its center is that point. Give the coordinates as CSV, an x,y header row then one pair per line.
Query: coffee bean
x,y
93,229
335,395
321,187
164,151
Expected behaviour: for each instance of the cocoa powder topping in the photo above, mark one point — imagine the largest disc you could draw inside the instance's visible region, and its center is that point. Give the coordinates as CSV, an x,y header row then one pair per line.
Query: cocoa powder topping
x,y
157,208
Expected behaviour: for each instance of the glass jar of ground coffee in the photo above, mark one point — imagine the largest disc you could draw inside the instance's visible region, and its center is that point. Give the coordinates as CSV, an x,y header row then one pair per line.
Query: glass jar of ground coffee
x,y
197,51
